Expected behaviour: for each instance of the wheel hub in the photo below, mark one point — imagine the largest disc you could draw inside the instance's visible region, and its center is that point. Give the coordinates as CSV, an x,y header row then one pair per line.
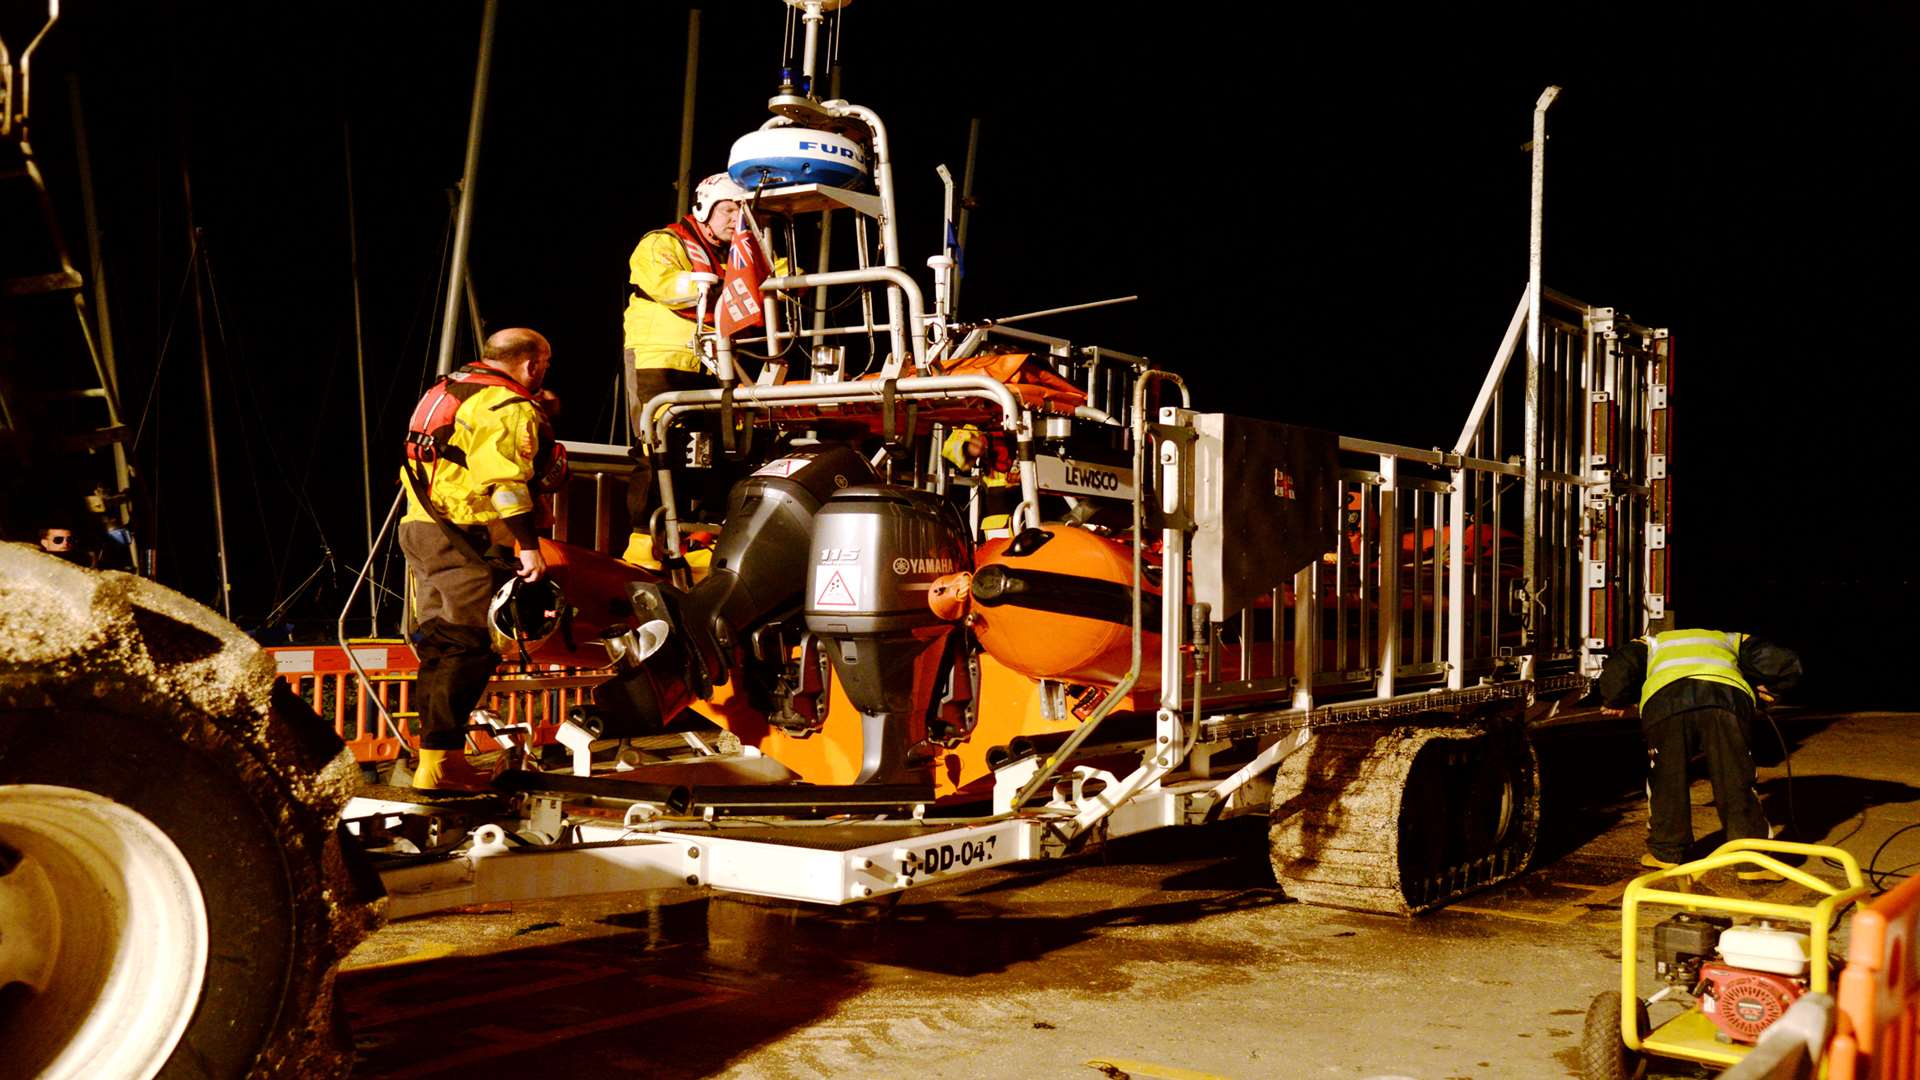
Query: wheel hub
x,y
103,936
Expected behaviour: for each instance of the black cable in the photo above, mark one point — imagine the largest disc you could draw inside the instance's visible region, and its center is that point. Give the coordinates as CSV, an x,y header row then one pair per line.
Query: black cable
x,y
1876,877
1879,877
1786,759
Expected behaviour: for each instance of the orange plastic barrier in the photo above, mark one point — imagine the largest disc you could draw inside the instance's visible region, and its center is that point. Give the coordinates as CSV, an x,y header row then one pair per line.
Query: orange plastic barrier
x,y
1879,1009
321,675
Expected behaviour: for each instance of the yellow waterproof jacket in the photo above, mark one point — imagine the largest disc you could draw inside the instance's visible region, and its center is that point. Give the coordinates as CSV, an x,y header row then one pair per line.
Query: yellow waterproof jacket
x,y
955,450
487,471
658,325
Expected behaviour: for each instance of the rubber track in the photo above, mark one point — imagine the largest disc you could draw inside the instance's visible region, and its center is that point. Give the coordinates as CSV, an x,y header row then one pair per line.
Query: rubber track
x,y
1336,823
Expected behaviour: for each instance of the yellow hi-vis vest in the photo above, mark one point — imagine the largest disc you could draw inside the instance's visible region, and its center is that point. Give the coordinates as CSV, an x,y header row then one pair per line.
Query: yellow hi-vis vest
x,y
1692,654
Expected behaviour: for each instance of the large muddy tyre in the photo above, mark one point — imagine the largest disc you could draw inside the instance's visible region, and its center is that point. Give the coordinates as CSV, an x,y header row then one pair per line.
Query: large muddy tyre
x,y
1399,820
178,811
1603,1055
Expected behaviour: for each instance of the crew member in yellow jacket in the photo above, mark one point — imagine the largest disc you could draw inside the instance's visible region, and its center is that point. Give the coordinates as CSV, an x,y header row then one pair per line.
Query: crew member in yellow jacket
x,y
479,447
662,319
662,305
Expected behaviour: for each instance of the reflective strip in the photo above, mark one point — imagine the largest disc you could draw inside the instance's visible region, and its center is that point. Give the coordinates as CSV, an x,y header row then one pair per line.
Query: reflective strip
x,y
1691,661
505,498
1704,654
1730,642
293,661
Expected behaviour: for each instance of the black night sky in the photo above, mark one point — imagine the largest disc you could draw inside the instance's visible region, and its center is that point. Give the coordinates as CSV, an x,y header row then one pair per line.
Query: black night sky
x,y
1325,216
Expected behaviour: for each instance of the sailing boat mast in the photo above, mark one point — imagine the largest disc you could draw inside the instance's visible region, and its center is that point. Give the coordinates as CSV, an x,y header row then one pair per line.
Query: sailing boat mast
x,y
196,261
463,221
683,180
360,372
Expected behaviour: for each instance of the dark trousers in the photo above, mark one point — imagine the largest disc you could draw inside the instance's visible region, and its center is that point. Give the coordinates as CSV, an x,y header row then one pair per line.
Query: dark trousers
x,y
1721,735
698,493
450,596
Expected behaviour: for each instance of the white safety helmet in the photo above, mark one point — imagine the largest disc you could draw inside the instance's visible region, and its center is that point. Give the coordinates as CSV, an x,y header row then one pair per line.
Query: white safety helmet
x,y
523,615
715,189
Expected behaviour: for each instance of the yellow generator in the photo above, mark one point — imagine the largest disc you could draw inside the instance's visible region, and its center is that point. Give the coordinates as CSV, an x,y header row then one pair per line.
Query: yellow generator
x,y
1740,962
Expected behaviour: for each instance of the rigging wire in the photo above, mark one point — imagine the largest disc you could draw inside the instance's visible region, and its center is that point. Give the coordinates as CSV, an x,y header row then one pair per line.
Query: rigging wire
x,y
246,440
166,341
426,308
241,374
425,312
299,490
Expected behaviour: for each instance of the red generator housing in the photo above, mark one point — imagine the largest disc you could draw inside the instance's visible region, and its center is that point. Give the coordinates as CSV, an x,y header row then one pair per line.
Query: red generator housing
x,y
1743,1002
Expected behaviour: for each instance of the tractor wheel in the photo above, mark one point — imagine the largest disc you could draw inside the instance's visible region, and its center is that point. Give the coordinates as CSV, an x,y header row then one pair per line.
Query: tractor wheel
x,y
174,897
1603,1056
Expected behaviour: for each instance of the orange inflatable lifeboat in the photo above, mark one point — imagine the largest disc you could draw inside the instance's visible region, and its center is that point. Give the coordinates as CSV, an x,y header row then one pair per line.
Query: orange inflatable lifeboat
x,y
1055,603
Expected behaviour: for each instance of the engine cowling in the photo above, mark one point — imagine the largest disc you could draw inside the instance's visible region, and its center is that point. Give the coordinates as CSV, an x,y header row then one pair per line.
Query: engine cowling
x,y
876,552
756,575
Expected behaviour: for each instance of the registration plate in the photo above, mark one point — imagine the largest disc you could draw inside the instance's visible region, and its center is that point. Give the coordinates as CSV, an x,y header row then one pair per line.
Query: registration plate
x,y
948,857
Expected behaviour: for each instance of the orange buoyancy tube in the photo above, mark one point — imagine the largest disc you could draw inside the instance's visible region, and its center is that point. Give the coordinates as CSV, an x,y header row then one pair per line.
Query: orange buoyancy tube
x,y
1055,603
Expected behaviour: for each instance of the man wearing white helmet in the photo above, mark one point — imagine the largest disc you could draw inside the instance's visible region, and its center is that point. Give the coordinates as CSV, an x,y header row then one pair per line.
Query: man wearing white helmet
x,y
662,307
662,301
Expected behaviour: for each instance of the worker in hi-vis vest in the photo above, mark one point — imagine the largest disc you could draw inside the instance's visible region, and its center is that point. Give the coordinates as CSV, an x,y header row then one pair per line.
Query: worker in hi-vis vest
x,y
1695,691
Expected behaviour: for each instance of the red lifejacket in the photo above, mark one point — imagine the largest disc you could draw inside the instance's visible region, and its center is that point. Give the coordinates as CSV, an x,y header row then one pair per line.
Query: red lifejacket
x,y
430,430
705,258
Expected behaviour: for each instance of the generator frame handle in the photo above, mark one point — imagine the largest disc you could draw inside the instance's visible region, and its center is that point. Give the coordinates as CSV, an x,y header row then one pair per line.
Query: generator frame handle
x,y
1753,854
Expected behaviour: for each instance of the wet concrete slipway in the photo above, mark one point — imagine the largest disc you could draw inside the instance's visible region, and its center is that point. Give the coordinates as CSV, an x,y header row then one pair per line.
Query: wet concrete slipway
x,y
1171,955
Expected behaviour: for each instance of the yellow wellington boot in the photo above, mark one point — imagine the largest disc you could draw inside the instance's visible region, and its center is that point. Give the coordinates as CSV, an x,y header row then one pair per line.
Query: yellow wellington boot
x,y
449,770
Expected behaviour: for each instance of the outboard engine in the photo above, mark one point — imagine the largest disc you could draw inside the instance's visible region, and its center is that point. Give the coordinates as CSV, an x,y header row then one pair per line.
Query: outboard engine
x,y
758,568
876,552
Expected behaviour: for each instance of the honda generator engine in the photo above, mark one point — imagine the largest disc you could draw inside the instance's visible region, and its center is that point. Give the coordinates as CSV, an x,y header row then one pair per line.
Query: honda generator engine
x,y
1761,970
